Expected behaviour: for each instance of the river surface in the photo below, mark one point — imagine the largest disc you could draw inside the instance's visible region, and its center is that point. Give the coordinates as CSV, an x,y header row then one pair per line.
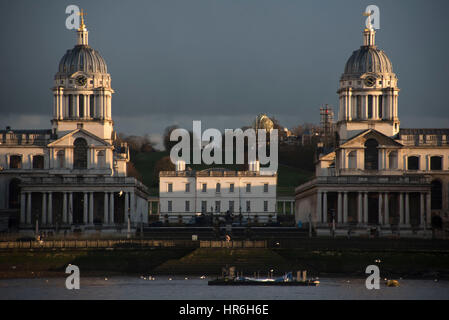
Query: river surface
x,y
194,288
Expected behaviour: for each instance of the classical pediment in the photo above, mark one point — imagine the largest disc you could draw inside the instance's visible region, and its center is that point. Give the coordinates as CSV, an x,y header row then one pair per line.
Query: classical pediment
x,y
68,139
359,140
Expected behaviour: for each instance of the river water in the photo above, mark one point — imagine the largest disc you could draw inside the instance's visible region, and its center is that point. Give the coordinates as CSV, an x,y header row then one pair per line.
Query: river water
x,y
194,288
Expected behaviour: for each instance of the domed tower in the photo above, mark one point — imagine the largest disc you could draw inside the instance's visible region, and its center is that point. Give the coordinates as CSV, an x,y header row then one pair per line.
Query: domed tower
x,y
368,92
82,91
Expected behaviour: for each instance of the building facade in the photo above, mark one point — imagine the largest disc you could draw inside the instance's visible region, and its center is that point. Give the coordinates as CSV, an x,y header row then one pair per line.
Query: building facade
x,y
379,176
187,193
72,177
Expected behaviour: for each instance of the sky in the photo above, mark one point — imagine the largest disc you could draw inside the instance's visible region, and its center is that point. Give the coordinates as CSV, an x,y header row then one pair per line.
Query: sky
x,y
222,61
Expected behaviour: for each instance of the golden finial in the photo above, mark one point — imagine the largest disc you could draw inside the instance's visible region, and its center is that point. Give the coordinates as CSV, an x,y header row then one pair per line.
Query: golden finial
x,y
82,25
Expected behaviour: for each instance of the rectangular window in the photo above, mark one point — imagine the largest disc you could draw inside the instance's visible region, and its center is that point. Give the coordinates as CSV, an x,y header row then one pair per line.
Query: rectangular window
x,y
248,187
217,206
380,107
265,206
170,206
370,106
265,187
92,106
218,188
204,187
170,187
248,206
187,206
359,107
15,162
187,187
203,206
38,162
231,187
231,206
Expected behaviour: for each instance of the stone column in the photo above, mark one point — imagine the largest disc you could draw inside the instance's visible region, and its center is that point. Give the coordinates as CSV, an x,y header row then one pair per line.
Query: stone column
x,y
111,208
407,209
132,200
359,208
106,209
401,208
85,221
421,210
283,207
44,208
325,206
28,220
345,207
380,209
339,208
127,210
50,208
387,210
365,208
70,207
64,208
91,208
428,210
319,212
22,207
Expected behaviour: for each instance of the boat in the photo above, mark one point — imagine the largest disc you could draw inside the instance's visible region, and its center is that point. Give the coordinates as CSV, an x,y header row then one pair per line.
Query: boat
x,y
286,280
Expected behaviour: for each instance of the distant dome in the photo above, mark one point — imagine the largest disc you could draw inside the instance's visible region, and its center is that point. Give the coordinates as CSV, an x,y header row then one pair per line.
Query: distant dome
x,y
82,58
263,122
368,59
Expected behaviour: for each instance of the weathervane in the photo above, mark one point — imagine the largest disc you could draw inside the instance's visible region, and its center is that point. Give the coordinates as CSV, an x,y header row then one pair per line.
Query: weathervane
x,y
82,14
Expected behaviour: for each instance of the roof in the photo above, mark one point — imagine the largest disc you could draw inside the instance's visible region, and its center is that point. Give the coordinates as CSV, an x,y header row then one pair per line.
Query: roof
x,y
414,131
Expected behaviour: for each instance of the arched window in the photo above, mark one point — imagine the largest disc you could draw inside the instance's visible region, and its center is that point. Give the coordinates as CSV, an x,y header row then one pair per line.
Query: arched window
x,y
101,161
413,163
371,155
80,154
436,192
60,158
352,160
38,162
393,160
436,163
81,106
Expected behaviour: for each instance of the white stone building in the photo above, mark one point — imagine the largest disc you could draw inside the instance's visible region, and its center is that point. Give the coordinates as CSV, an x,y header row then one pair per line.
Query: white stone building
x,y
185,193
380,175
74,175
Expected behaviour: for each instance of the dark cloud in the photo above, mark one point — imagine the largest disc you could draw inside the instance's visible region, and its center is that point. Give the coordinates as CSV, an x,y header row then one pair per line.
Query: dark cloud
x,y
219,60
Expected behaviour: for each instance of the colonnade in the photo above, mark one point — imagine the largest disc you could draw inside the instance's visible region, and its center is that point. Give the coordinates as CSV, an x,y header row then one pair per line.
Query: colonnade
x,y
341,215
47,213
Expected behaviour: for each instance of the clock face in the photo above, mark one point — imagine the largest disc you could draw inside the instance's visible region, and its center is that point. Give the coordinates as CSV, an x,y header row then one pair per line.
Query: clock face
x,y
370,81
81,80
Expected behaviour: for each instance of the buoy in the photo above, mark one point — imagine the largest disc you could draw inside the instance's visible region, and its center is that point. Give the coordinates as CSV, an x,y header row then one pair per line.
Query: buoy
x,y
392,283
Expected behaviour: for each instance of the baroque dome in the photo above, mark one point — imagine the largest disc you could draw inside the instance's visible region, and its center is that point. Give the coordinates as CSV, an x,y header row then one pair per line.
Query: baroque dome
x,y
368,59
82,58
